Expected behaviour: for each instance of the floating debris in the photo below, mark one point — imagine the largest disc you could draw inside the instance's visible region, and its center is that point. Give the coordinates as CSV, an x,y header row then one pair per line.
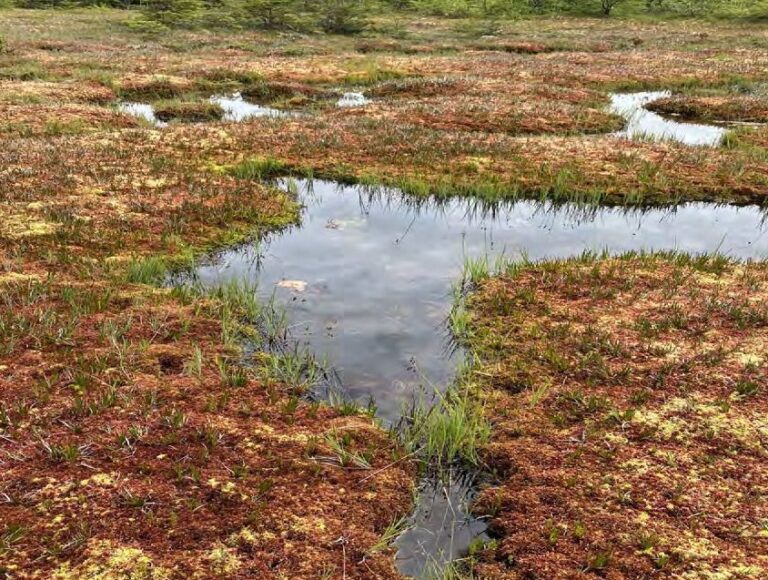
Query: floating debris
x,y
295,285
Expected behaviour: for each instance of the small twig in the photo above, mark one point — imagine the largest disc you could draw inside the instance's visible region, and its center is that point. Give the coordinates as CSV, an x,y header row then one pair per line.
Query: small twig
x,y
375,473
343,541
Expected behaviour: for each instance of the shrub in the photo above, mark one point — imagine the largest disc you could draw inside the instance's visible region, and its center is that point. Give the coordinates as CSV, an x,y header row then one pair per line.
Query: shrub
x,y
341,16
692,7
173,13
145,25
273,14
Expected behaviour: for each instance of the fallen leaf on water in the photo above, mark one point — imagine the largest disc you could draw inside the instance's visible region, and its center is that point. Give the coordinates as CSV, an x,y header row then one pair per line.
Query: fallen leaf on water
x,y
296,285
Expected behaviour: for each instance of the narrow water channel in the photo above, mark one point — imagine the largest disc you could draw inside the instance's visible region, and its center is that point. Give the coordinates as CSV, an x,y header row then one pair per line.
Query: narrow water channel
x,y
645,124
367,278
641,123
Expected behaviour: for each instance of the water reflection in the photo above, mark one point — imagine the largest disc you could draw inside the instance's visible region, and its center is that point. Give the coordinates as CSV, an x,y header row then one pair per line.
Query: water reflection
x,y
367,275
352,100
441,527
142,111
642,123
237,109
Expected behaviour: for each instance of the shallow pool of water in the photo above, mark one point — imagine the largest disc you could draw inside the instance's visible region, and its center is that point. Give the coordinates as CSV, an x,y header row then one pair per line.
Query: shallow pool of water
x,y
352,100
367,277
367,281
442,527
238,109
235,109
645,124
142,111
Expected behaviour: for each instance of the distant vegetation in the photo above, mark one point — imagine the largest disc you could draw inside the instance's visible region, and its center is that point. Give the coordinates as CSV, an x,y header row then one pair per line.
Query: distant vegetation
x,y
352,16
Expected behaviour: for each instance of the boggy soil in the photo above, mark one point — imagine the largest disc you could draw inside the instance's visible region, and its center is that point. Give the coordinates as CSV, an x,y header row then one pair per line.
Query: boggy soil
x,y
630,418
455,109
132,438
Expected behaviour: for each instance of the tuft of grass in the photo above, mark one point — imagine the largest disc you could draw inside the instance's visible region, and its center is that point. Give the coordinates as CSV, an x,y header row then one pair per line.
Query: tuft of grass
x,y
447,432
296,368
459,321
390,534
340,445
232,375
24,71
151,270
598,561
157,88
194,366
12,533
475,270
188,111
747,388
62,453
282,93
259,168
370,73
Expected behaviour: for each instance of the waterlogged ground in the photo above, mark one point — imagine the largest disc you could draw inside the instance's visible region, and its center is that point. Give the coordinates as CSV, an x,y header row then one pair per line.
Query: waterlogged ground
x,y
367,279
132,439
453,109
630,416
645,124
367,275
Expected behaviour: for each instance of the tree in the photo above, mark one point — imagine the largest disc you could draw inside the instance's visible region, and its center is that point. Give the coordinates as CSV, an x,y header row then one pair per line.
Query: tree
x,y
173,12
275,14
607,6
341,16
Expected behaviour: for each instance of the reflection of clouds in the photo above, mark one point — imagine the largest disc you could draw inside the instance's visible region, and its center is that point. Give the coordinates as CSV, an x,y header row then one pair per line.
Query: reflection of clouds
x,y
442,526
348,223
644,123
142,111
234,106
237,109
376,309
391,300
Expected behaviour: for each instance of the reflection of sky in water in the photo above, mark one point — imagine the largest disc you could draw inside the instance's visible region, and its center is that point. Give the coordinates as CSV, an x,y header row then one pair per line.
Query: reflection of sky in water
x,y
644,123
352,100
142,111
379,272
237,109
443,531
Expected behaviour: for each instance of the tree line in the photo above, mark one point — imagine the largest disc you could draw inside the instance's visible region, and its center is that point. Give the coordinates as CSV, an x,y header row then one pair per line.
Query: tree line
x,y
351,16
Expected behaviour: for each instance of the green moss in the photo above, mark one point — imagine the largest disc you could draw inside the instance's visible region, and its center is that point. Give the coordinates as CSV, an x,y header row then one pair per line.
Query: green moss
x,y
188,111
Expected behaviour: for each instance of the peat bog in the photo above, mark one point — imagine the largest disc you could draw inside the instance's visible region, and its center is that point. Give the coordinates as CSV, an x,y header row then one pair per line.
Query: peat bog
x,y
443,298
